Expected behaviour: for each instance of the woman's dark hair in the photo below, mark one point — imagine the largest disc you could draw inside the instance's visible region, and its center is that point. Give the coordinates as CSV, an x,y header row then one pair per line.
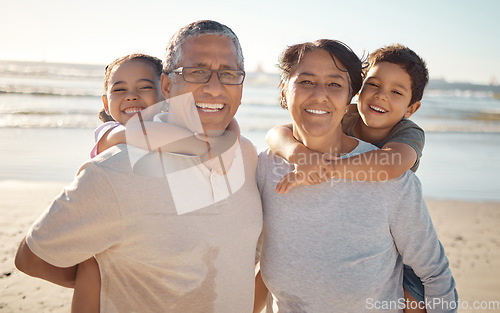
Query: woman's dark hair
x,y
292,56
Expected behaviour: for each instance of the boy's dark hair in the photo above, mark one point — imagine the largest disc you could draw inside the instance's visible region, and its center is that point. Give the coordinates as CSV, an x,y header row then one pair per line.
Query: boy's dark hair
x,y
408,60
292,56
155,63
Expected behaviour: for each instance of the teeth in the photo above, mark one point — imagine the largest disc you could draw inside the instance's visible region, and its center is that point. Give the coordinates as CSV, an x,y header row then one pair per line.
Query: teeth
x,y
377,109
316,111
210,107
132,110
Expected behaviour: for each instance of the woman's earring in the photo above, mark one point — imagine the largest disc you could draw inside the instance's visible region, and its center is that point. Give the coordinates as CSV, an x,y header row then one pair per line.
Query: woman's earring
x,y
283,103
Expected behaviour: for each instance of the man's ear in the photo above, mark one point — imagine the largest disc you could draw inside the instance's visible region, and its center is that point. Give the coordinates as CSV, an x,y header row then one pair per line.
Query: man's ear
x,y
412,109
166,84
105,103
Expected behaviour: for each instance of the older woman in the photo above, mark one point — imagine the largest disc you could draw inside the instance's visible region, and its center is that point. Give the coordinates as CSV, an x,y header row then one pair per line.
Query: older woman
x,y
339,246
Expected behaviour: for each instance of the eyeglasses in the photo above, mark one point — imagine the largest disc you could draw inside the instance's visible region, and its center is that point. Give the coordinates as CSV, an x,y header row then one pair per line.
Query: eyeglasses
x,y
200,75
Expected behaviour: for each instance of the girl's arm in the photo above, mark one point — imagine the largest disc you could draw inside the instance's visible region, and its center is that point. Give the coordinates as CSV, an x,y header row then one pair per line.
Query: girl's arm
x,y
169,137
220,144
86,295
111,137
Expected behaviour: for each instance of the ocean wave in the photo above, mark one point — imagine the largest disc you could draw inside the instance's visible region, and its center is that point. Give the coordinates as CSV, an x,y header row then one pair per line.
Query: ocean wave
x,y
49,91
49,121
50,70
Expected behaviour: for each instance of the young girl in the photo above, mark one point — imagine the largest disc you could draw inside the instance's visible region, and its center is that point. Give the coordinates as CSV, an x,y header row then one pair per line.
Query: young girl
x,y
132,85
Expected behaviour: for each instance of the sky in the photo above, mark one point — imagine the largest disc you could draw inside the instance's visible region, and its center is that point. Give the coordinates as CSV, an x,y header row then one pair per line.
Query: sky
x,y
458,39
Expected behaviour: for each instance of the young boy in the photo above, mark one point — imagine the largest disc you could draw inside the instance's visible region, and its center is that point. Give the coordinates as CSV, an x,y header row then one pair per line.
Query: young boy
x,y
393,87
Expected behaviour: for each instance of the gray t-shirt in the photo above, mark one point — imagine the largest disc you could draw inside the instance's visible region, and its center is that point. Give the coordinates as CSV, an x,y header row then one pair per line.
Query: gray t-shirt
x,y
405,131
339,246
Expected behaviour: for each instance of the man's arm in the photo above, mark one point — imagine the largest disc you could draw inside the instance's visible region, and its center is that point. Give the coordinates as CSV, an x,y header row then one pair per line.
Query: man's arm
x,y
27,262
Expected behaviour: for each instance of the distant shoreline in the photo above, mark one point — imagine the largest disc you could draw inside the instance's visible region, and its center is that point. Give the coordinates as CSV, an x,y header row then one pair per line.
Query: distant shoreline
x,y
13,68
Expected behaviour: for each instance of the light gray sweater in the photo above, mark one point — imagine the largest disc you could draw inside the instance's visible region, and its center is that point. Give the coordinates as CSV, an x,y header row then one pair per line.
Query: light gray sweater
x,y
339,246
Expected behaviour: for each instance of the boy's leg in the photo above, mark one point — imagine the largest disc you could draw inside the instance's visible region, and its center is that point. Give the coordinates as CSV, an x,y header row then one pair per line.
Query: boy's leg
x,y
412,305
414,291
86,297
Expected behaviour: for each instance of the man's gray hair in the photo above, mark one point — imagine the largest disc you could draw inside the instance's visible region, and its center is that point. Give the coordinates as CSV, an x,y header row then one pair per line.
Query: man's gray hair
x,y
173,52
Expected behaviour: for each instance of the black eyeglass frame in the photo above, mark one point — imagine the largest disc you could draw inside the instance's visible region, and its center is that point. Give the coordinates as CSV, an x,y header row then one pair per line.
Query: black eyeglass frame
x,y
180,70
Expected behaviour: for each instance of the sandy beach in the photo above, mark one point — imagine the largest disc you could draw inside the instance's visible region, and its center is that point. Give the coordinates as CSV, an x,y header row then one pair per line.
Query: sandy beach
x,y
469,231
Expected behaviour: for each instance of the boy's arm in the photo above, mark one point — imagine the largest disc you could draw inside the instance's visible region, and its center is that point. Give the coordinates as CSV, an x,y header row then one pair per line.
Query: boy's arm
x,y
281,142
310,167
390,162
27,262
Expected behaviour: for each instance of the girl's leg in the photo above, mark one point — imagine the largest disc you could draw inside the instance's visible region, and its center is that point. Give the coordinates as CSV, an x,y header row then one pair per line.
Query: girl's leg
x,y
86,297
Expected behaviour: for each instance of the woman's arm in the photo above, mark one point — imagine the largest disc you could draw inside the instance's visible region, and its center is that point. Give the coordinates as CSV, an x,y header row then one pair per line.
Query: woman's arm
x,y
260,294
27,262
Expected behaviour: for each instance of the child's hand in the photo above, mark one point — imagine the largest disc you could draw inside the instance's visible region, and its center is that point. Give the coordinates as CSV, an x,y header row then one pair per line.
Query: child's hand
x,y
290,180
306,174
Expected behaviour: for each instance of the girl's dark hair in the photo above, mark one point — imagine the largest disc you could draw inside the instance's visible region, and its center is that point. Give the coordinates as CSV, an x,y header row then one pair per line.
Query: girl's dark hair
x,y
155,63
408,60
104,117
292,56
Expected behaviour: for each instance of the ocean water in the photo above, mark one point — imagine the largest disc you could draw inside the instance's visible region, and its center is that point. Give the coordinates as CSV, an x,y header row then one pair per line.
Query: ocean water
x,y
48,112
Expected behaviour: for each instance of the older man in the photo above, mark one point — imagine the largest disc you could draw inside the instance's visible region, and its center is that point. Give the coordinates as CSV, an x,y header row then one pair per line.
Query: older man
x,y
152,256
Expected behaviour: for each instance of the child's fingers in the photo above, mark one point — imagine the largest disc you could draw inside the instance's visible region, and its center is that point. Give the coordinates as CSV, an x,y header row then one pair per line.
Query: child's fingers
x,y
288,181
280,187
290,185
313,178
